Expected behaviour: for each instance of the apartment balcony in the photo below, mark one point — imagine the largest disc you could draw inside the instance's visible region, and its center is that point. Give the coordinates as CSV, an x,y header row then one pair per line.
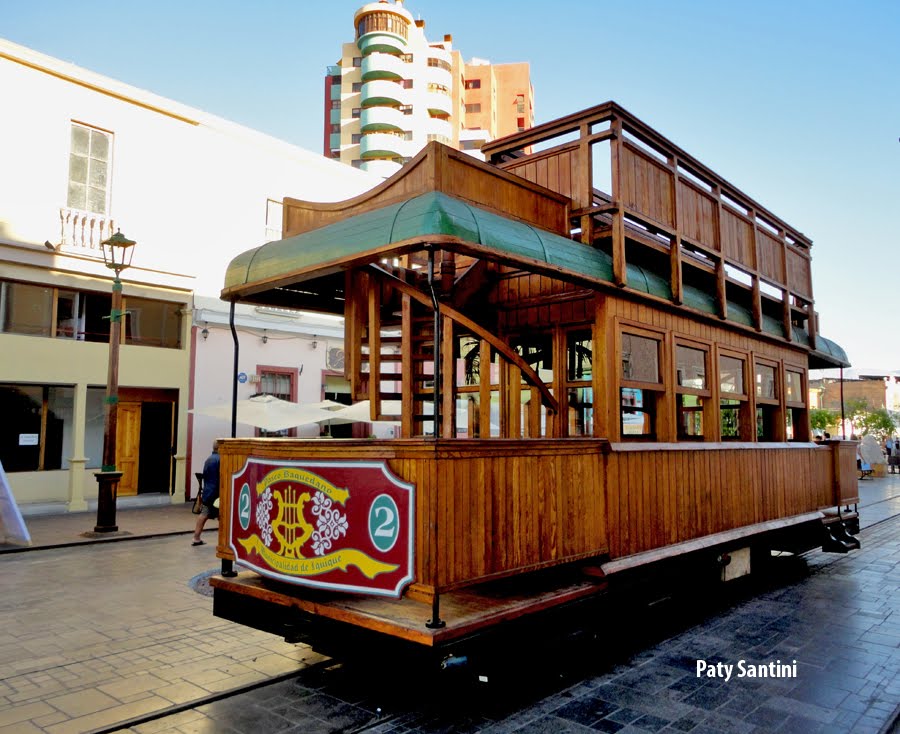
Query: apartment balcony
x,y
439,103
382,42
384,93
437,75
84,230
383,145
437,126
382,118
441,54
381,167
383,66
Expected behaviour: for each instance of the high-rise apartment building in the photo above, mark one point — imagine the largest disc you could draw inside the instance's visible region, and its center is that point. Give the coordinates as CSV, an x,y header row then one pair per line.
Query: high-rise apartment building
x,y
394,90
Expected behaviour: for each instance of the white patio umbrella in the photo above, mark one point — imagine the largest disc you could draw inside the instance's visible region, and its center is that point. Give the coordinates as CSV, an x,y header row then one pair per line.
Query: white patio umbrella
x,y
360,413
266,412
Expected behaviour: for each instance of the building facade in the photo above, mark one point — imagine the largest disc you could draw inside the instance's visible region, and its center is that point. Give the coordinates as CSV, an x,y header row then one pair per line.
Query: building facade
x,y
393,91
84,156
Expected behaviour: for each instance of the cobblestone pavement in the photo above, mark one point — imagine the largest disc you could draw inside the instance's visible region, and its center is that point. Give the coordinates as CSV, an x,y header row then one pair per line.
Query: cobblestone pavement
x,y
98,635
837,616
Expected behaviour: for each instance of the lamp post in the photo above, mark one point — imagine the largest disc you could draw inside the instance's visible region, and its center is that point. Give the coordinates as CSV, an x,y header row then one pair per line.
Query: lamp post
x,y
117,253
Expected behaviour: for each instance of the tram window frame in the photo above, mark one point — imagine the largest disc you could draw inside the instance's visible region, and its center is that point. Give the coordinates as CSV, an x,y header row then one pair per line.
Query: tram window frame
x,y
534,420
768,408
734,401
686,394
796,412
578,384
645,391
469,391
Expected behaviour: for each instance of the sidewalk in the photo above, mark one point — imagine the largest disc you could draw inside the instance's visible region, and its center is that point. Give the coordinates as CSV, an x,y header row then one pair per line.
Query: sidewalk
x,y
59,531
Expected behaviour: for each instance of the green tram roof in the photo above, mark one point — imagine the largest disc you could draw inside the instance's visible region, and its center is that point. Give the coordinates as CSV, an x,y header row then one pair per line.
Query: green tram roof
x,y
436,218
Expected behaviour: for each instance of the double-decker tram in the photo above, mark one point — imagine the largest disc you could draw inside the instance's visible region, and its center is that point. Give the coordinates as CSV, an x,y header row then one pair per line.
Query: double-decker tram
x,y
596,353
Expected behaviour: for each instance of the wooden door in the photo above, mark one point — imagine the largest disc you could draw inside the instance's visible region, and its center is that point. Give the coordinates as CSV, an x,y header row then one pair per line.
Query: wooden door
x,y
128,436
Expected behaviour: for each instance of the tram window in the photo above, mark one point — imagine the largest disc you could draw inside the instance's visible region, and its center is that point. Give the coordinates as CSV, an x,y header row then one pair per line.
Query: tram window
x,y
766,422
537,351
730,415
691,367
640,358
731,375
793,386
579,355
637,414
580,411
765,382
690,417
468,360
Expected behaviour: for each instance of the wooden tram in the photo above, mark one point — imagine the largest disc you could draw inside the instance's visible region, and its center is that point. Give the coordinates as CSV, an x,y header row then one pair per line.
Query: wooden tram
x,y
597,352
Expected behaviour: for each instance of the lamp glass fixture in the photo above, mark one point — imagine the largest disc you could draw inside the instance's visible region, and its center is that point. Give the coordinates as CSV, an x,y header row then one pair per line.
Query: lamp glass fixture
x,y
117,251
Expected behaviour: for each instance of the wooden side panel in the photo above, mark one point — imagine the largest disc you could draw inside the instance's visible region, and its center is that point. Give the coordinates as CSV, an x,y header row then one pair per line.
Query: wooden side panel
x,y
771,264
798,275
556,171
484,508
646,186
697,216
737,238
666,494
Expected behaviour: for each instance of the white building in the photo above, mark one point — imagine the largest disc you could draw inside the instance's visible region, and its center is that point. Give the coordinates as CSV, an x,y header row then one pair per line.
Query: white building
x,y
84,155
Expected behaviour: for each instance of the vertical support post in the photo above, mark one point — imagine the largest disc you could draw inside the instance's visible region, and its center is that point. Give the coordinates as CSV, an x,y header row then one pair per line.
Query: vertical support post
x,y
227,564
108,478
435,622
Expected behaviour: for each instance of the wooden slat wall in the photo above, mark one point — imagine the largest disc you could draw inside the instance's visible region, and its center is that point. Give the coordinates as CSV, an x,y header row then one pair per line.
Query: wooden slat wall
x,y
697,212
771,264
556,170
646,186
484,508
489,508
737,238
664,494
798,273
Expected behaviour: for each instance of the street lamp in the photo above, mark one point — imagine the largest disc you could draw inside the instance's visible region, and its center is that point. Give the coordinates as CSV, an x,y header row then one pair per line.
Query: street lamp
x,y
117,253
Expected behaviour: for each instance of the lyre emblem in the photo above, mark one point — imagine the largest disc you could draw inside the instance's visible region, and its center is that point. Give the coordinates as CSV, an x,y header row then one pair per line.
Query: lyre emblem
x,y
289,526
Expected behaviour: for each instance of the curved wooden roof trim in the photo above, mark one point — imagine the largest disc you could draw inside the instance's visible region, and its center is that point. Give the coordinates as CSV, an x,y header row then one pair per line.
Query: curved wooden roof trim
x,y
438,167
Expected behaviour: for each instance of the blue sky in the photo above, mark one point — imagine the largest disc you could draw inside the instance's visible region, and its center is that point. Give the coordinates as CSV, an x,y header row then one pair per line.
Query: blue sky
x,y
795,102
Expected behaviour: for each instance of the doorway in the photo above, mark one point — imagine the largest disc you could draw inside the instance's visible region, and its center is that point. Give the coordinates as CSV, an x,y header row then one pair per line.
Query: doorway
x,y
155,468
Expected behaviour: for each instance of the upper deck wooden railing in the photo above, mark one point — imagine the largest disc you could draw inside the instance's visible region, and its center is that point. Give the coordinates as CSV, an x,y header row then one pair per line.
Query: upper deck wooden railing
x,y
664,198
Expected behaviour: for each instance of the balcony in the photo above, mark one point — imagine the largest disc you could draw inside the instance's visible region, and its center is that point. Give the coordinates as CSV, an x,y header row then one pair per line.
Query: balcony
x,y
84,230
383,145
383,118
439,103
382,42
437,75
381,167
384,93
382,66
437,126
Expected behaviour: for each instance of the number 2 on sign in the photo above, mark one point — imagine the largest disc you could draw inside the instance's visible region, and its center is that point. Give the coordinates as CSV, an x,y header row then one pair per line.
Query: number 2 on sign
x,y
384,523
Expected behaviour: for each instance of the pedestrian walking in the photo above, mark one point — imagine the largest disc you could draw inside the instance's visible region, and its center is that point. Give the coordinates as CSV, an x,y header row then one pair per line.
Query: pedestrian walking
x,y
209,493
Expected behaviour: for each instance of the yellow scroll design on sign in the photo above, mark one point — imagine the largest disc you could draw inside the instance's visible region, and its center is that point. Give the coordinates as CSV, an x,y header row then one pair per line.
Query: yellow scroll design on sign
x,y
339,560
307,478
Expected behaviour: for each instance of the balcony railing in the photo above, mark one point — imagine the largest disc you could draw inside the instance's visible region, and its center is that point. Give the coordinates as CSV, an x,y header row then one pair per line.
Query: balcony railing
x,y
82,229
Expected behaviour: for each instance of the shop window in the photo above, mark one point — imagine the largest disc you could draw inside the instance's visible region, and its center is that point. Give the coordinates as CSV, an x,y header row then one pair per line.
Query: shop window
x,y
152,323
25,308
37,426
